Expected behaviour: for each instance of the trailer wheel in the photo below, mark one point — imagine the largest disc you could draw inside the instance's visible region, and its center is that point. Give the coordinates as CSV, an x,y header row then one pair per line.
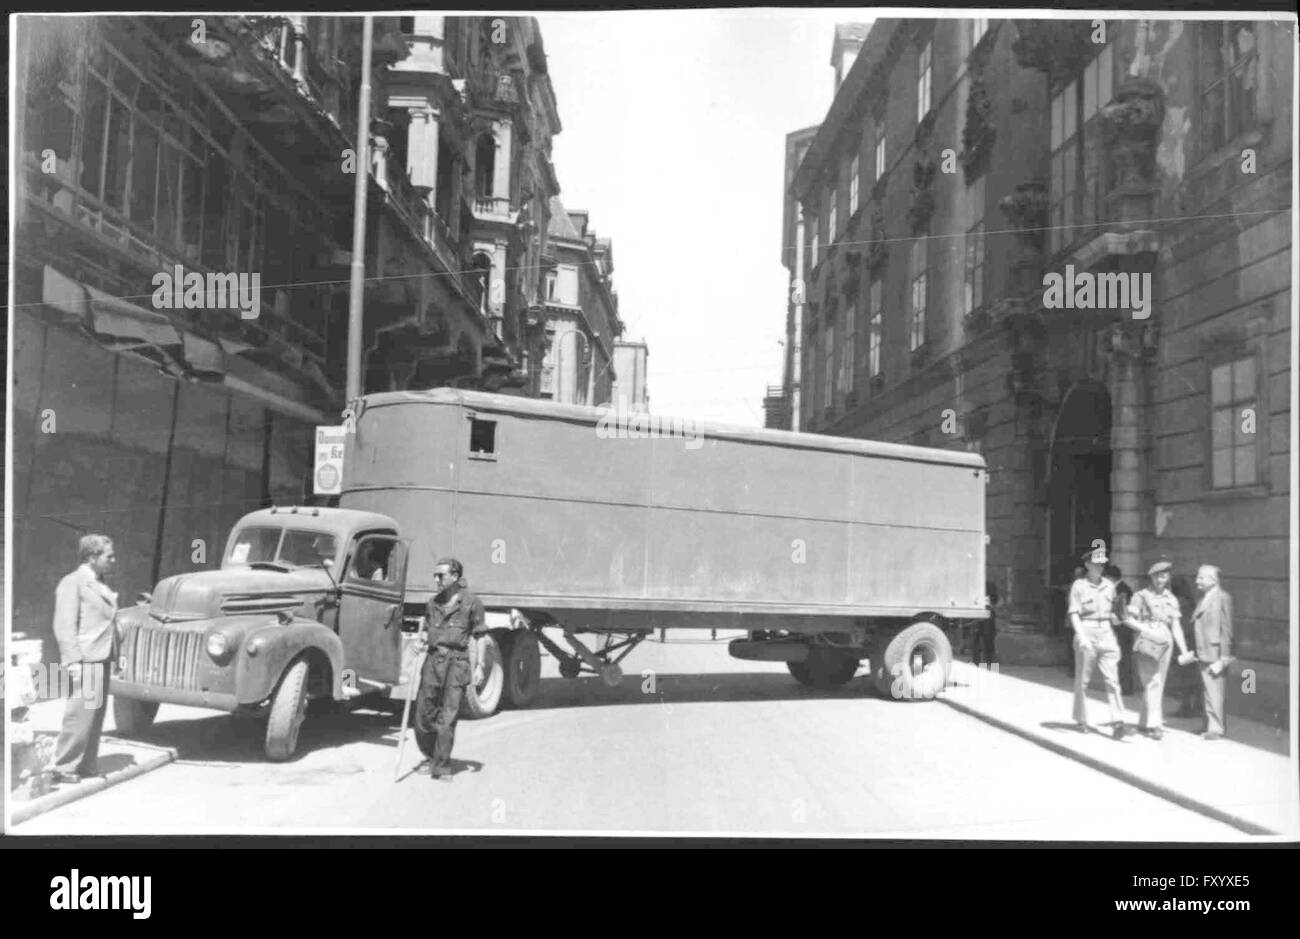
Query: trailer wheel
x,y
288,708
131,716
824,669
484,700
523,668
916,664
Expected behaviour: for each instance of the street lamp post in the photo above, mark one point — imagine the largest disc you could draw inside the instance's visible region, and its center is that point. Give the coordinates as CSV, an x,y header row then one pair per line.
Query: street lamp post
x,y
362,166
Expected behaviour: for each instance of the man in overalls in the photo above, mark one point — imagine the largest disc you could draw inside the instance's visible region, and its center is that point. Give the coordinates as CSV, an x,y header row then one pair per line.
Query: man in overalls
x,y
455,621
1092,616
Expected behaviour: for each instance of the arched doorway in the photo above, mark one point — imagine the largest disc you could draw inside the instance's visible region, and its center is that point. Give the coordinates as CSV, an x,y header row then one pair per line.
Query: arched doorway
x,y
1078,488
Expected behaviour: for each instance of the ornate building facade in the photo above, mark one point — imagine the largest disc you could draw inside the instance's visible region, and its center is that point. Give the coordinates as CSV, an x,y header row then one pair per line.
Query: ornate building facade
x,y
961,164
224,148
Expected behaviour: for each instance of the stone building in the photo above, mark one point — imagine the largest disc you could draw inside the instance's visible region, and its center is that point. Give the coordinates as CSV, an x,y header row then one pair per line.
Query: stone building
x,y
225,148
630,362
580,312
963,165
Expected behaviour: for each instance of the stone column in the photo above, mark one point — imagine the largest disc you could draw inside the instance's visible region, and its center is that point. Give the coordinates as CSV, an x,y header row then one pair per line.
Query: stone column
x,y
501,168
422,150
1130,347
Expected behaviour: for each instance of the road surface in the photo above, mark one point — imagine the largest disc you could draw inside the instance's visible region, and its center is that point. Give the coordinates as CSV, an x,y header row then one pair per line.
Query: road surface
x,y
705,744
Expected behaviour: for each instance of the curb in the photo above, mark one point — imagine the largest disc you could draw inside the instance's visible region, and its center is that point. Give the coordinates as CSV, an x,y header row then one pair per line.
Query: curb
x,y
23,811
1133,779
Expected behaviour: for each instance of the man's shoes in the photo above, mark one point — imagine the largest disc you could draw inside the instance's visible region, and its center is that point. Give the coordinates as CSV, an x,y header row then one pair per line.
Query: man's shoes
x,y
440,773
69,778
1209,735
1120,731
1083,728
1156,733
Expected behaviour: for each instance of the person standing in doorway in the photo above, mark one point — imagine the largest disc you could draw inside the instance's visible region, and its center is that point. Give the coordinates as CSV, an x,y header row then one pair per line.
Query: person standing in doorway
x,y
1092,604
455,621
85,609
1123,595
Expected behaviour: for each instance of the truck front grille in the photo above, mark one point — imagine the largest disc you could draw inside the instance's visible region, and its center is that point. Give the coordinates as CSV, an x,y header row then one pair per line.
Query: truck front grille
x,y
165,657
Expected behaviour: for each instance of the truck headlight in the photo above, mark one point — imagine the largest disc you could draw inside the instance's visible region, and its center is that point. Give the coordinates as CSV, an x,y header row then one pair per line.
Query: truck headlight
x,y
218,645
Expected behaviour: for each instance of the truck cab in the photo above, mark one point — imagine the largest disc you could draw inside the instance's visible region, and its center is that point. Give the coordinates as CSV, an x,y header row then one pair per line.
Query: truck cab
x,y
307,605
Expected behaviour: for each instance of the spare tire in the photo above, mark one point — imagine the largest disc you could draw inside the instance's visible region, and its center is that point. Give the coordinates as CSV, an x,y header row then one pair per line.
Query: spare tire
x,y
916,664
824,668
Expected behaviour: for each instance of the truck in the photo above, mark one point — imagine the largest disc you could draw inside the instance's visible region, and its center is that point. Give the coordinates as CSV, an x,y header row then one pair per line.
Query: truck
x,y
591,527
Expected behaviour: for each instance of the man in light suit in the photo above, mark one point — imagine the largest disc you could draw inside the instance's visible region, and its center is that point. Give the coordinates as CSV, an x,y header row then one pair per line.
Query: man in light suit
x,y
84,611
1212,622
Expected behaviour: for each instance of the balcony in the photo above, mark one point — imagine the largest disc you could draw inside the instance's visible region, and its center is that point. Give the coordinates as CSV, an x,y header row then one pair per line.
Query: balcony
x,y
412,206
492,208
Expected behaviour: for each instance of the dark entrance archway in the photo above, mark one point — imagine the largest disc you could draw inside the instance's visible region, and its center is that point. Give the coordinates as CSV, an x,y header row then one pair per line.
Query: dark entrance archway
x,y
1078,490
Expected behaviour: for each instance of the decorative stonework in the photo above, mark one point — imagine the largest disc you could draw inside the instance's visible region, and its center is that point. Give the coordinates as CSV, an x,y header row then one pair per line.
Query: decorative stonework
x,y
1026,209
1057,47
979,134
1129,340
1131,125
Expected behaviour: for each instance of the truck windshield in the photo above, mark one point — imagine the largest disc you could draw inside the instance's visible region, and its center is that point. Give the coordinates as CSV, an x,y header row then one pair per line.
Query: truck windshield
x,y
292,547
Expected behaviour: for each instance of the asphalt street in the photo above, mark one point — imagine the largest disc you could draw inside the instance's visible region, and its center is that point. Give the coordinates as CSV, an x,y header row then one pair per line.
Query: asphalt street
x,y
692,741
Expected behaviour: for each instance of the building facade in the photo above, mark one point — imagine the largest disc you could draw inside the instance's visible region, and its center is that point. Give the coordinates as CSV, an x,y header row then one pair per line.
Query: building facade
x,y
967,165
156,152
580,312
631,359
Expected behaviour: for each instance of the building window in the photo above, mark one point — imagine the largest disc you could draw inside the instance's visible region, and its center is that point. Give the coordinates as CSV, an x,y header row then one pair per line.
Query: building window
x,y
1227,65
832,228
873,336
977,30
853,186
550,286
880,148
812,225
923,84
1077,191
918,271
1234,389
848,356
485,157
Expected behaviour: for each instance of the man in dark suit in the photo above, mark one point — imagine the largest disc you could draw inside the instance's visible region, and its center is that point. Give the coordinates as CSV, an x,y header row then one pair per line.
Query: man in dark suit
x,y
84,612
1212,623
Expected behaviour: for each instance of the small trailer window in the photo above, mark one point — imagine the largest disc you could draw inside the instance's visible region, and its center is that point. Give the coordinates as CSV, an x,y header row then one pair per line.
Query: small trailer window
x,y
482,438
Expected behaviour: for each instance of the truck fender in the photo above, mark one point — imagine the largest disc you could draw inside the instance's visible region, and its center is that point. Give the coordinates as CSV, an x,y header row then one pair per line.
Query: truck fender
x,y
277,646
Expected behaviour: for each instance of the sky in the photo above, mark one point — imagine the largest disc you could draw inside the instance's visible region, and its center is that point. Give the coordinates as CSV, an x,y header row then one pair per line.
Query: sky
x,y
673,138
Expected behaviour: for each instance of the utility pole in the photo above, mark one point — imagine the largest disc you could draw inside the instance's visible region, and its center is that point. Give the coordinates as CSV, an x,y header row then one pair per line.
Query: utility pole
x,y
359,217
796,352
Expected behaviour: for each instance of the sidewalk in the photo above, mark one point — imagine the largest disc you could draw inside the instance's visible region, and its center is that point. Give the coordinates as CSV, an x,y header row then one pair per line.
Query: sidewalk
x,y
1246,780
119,760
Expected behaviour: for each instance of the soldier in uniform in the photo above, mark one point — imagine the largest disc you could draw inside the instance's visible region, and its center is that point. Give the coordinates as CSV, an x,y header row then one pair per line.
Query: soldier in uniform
x,y
455,620
1092,616
1155,616
1123,594
1212,626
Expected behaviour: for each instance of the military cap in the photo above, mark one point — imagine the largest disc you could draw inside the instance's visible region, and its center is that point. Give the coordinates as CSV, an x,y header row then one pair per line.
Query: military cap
x,y
1094,556
1164,564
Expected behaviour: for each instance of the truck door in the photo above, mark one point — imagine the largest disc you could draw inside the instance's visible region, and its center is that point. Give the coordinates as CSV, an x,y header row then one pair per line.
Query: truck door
x,y
370,610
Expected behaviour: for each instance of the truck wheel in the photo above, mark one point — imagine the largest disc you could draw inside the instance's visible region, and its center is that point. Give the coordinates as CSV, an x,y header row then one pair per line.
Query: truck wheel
x,y
288,708
523,668
132,717
916,664
824,669
484,700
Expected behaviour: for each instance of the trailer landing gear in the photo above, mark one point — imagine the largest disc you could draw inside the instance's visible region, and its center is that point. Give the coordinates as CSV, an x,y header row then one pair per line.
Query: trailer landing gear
x,y
602,661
